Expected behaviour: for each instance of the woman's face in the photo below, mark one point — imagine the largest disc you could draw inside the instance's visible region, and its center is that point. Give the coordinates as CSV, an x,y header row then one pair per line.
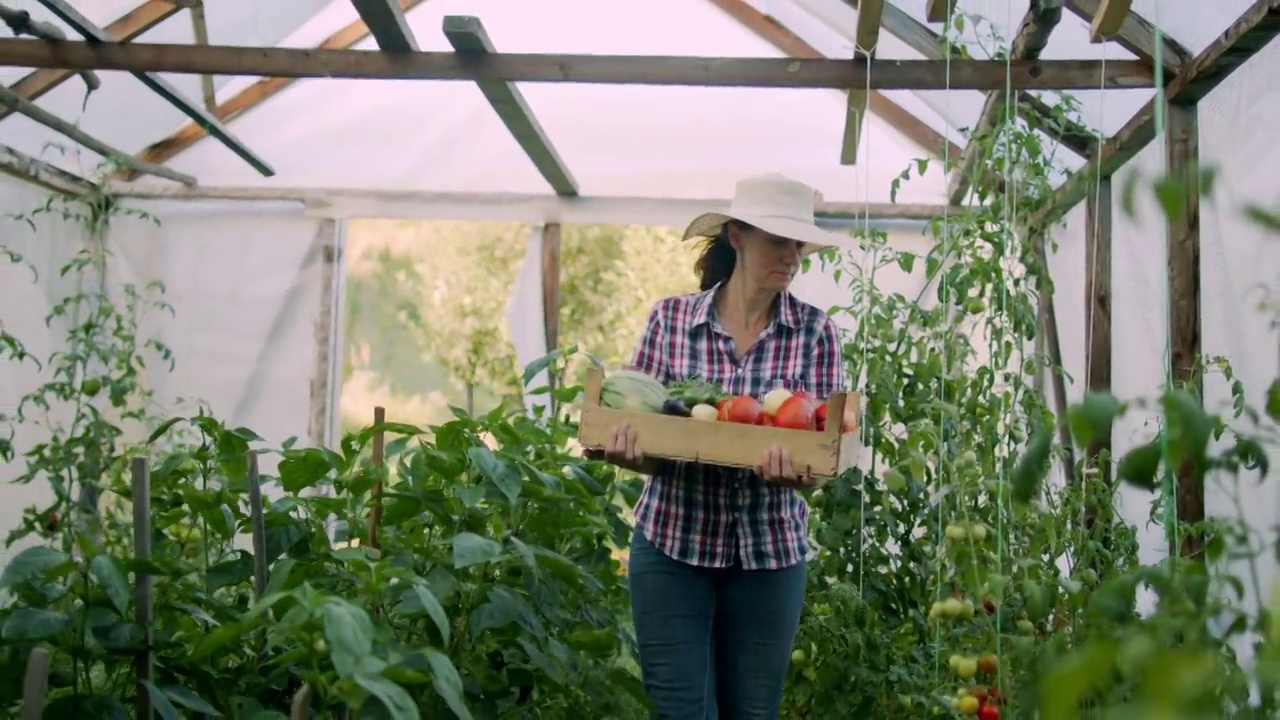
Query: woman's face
x,y
768,261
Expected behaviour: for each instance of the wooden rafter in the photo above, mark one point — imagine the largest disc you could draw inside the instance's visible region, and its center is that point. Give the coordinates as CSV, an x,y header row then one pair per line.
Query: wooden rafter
x,y
583,69
129,26
39,172
251,97
1037,113
99,40
1108,19
1256,27
939,11
1033,35
200,33
786,41
467,35
21,105
386,20
1136,35
866,38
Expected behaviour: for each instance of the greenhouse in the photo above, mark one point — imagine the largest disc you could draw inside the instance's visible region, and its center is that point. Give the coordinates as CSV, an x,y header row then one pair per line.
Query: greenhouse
x,y
305,308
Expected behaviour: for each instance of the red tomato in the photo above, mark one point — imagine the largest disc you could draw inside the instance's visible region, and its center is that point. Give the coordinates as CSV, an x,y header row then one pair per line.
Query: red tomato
x,y
742,409
820,414
765,419
796,413
804,394
988,712
978,692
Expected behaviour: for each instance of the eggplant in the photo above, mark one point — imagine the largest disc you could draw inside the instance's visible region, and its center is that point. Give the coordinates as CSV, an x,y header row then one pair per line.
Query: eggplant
x,y
675,406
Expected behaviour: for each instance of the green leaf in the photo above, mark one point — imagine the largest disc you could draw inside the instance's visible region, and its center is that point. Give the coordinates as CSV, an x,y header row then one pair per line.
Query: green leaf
x,y
1189,427
1138,467
29,624
31,564
184,697
433,607
447,682
471,549
160,702
302,469
505,477
349,632
1272,407
393,697
532,369
107,575
1033,466
1091,420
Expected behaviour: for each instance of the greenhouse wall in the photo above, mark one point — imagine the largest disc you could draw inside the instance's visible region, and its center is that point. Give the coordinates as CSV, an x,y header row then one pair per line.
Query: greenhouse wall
x,y
1240,273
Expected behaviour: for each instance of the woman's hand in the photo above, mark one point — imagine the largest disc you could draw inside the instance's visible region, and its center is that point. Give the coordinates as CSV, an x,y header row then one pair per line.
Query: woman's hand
x,y
623,449
775,467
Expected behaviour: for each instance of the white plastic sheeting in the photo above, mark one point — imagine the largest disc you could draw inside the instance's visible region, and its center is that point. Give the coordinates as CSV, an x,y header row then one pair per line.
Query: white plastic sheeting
x,y
25,300
526,318
246,286
1240,269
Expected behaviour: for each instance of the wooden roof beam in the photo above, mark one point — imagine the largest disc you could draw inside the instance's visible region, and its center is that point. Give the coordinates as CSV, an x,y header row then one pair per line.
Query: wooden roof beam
x,y
1108,19
386,20
21,105
200,33
583,69
39,172
251,97
1033,35
939,11
129,26
1256,27
866,37
792,45
1135,34
1073,135
467,35
98,38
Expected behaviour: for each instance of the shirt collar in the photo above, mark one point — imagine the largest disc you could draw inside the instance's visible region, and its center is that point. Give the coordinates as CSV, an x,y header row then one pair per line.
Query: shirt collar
x,y
787,312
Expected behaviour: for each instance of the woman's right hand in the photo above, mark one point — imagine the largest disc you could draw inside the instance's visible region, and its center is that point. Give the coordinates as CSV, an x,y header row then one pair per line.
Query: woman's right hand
x,y
623,449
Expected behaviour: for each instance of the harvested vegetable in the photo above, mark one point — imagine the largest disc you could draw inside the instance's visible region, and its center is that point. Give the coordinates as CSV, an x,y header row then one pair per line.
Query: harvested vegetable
x,y
635,391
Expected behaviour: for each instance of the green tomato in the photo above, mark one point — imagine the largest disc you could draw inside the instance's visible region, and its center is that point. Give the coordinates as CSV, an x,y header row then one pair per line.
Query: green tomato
x,y
91,387
798,657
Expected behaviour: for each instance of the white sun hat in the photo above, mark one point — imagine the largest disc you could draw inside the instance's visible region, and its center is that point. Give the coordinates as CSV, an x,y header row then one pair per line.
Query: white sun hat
x,y
777,205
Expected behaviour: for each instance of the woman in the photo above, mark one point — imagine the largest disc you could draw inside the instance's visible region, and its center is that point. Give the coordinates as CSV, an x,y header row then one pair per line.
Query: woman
x,y
717,567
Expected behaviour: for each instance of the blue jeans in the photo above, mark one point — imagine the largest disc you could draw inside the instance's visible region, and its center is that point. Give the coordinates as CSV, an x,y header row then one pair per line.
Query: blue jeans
x,y
714,642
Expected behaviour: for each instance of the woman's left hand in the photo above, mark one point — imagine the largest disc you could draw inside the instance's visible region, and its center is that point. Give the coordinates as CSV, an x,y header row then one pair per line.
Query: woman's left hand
x,y
775,467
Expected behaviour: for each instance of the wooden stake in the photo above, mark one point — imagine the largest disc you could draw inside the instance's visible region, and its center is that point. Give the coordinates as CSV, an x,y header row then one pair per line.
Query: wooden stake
x,y
937,11
142,610
258,524
379,461
35,684
1097,299
1108,19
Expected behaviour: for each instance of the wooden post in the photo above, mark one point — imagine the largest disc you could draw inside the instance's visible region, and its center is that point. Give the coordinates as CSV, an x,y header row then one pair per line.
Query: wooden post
x,y
1097,309
1049,328
1182,148
143,668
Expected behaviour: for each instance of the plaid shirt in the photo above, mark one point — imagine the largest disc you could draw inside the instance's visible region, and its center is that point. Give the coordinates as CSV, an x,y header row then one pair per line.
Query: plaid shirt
x,y
716,516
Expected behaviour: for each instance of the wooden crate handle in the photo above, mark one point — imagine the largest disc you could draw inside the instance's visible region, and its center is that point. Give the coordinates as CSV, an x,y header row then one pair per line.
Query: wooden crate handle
x,y
595,382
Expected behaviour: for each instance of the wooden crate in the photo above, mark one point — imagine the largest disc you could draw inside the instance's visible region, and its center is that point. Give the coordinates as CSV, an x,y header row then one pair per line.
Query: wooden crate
x,y
822,454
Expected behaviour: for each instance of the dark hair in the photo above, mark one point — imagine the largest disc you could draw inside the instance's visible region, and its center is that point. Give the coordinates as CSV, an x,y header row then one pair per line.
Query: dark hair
x,y
715,264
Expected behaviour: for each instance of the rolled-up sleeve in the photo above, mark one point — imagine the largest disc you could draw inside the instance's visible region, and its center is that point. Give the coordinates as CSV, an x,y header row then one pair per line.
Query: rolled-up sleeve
x,y
829,374
649,357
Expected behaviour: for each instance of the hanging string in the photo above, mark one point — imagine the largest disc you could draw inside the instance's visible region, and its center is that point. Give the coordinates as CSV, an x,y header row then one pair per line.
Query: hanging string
x,y
870,283
939,532
1168,487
